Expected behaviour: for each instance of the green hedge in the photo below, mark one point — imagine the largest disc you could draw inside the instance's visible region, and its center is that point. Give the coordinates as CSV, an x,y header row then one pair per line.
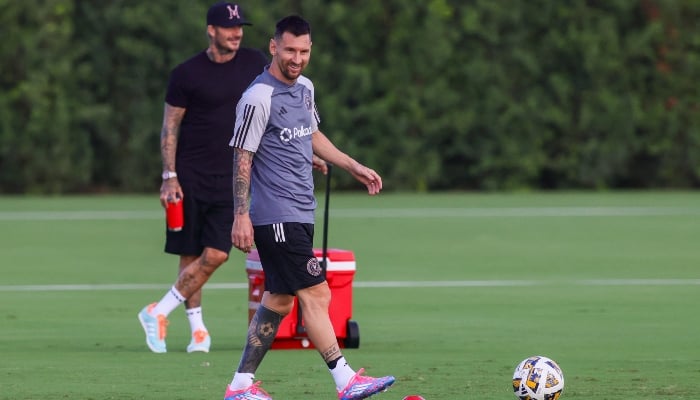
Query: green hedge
x,y
435,95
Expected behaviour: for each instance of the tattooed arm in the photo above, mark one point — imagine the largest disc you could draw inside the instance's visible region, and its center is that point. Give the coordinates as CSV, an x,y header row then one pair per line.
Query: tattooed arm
x,y
242,231
172,118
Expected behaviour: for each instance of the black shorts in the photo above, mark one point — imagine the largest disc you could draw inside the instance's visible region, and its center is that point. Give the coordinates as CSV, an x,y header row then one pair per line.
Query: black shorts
x,y
287,257
208,220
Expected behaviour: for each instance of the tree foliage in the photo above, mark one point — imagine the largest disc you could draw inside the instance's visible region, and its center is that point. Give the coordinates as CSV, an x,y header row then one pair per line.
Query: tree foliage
x,y
435,95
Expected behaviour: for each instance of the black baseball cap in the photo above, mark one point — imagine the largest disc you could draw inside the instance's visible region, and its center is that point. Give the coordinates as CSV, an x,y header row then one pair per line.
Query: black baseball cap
x,y
226,14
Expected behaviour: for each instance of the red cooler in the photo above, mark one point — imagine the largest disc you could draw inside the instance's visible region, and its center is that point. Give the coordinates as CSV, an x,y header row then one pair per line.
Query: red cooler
x,y
339,274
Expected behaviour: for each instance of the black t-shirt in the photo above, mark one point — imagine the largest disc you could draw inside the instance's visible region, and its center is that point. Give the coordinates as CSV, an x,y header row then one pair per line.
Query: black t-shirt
x,y
209,92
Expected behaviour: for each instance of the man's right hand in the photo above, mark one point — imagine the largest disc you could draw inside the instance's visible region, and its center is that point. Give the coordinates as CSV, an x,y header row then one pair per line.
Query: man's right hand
x,y
242,232
170,191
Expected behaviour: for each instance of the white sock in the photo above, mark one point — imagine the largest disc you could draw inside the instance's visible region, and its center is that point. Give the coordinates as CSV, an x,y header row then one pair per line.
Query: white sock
x,y
194,315
169,302
241,380
342,373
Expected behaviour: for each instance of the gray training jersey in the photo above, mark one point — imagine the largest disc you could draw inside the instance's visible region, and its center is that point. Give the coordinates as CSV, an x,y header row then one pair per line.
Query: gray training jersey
x,y
275,121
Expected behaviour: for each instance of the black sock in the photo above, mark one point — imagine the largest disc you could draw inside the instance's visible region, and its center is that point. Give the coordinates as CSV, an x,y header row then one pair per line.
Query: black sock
x,y
332,364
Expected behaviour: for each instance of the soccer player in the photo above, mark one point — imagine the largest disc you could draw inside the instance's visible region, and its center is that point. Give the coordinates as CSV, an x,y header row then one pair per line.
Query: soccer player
x,y
198,120
275,137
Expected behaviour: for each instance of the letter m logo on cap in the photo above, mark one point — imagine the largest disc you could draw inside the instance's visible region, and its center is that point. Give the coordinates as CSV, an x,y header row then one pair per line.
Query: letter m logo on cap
x,y
233,12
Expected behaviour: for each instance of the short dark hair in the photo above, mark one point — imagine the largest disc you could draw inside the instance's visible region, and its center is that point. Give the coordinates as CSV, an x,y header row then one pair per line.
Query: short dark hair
x,y
293,24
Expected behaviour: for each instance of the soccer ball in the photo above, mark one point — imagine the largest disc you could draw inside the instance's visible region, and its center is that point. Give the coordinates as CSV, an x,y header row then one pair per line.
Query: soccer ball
x,y
538,378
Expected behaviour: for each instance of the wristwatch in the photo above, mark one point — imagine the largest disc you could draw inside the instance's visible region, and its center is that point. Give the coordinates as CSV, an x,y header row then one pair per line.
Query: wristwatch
x,y
169,174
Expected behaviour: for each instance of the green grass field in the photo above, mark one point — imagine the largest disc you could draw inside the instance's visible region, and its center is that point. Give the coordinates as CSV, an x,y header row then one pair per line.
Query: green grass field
x,y
452,291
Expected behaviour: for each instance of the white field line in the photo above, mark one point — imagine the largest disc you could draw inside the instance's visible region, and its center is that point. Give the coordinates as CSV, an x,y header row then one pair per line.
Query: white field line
x,y
374,284
479,212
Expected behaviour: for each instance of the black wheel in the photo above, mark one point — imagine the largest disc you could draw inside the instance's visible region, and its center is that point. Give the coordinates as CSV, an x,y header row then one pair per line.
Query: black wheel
x,y
352,341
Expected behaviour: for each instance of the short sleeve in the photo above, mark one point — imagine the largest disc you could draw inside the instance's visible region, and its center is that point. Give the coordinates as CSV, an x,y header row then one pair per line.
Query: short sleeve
x,y
252,116
176,94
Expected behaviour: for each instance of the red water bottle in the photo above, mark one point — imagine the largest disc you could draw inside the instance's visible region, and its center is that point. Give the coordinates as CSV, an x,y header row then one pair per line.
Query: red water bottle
x,y
174,215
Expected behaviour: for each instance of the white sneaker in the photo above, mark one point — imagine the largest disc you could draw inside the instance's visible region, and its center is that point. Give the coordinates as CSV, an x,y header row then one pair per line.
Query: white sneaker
x,y
252,392
201,341
155,328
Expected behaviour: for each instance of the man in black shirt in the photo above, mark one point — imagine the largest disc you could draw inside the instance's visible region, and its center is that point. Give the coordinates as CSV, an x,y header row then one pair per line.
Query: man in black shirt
x,y
198,122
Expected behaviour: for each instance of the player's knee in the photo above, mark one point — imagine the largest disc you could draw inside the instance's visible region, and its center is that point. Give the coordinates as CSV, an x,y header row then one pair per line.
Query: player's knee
x,y
281,304
285,309
316,297
212,258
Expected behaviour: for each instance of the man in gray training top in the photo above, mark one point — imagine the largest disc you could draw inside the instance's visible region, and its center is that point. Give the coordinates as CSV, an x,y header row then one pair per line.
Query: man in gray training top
x,y
275,138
